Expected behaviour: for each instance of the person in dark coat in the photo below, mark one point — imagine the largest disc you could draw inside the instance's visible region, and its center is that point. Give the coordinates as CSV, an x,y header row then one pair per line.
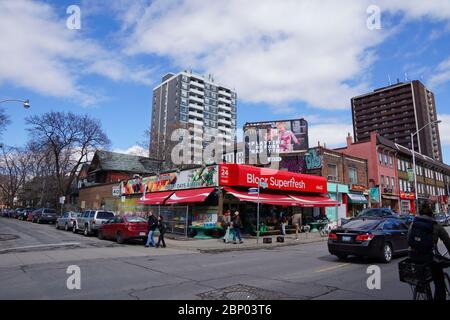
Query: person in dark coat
x,y
424,226
152,224
162,231
237,226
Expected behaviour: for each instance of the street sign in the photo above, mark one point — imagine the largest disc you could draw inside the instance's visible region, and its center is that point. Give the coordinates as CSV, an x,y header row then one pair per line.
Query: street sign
x,y
62,200
253,190
116,191
410,175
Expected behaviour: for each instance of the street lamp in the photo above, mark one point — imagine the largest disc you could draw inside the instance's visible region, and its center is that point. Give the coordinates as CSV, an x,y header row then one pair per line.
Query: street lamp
x,y
263,184
26,103
416,200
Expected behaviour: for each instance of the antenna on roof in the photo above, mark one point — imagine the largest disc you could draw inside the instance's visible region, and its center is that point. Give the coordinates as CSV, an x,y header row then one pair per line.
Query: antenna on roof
x,y
406,77
389,78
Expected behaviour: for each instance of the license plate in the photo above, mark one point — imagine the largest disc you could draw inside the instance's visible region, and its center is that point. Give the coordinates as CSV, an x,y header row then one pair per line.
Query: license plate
x,y
346,239
142,233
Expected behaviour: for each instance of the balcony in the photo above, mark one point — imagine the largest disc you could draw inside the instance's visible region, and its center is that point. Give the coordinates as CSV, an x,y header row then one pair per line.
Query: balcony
x,y
195,114
225,121
194,90
196,122
197,84
226,101
225,93
196,107
196,99
196,129
228,130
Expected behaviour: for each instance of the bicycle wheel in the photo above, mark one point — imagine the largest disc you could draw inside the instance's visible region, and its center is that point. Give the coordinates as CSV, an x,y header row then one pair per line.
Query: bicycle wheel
x,y
422,292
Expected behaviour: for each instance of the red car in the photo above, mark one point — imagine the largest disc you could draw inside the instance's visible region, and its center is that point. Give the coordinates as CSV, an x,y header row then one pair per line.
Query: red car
x,y
124,228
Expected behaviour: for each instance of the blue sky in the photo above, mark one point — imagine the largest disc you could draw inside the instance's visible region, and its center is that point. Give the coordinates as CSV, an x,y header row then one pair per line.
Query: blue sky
x,y
285,59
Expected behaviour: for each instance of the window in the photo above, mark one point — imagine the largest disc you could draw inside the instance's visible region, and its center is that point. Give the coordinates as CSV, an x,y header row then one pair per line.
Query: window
x,y
352,175
382,181
399,165
393,183
385,159
332,172
387,182
380,157
390,161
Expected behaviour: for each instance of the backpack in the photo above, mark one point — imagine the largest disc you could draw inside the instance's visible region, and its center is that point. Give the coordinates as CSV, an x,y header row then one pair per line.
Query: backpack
x,y
421,236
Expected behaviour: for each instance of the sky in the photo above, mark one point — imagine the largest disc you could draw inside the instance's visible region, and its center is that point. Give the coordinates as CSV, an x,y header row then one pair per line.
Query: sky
x,y
285,59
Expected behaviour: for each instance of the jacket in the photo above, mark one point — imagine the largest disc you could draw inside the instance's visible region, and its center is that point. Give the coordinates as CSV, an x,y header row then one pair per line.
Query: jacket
x,y
438,233
237,223
152,223
161,227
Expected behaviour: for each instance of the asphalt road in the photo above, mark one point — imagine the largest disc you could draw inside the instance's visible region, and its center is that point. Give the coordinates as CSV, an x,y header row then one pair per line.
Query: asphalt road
x,y
304,271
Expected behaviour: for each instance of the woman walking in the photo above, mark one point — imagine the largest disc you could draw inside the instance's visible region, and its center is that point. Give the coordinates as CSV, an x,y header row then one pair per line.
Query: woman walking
x,y
162,231
227,225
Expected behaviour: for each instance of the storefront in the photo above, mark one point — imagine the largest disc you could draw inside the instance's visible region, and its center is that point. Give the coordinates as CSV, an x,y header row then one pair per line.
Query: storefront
x,y
390,201
407,205
197,198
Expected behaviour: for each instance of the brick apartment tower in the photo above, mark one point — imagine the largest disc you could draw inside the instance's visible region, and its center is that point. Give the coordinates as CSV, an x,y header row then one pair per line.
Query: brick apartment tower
x,y
396,111
194,102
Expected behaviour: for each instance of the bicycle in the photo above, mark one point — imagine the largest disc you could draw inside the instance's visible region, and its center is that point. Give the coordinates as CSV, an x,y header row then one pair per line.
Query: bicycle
x,y
418,276
325,230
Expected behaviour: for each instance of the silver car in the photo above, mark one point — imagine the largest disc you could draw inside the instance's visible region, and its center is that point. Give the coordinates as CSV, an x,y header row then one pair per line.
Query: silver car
x,y
67,220
90,221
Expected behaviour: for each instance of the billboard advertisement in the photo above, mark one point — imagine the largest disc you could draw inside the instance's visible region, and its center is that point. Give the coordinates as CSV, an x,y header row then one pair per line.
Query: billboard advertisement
x,y
186,179
276,137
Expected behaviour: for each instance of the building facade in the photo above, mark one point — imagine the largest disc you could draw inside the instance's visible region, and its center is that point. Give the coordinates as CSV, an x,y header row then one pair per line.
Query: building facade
x,y
193,102
397,111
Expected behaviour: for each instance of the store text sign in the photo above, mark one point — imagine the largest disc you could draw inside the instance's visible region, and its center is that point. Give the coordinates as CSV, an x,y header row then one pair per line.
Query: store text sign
x,y
249,176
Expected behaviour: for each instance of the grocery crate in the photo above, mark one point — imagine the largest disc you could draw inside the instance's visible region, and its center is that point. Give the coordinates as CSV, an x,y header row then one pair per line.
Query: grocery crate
x,y
414,273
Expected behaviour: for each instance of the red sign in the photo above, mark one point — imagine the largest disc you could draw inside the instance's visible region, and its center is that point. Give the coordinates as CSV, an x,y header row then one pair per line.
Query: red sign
x,y
235,175
407,195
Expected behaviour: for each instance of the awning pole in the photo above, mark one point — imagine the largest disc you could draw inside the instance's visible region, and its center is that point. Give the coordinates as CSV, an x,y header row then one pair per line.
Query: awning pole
x,y
186,222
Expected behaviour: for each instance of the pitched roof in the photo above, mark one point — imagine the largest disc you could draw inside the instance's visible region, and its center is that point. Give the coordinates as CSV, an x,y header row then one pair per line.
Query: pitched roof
x,y
113,161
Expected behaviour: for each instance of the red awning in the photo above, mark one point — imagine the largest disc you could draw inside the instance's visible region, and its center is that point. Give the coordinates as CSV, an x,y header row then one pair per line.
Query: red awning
x,y
155,197
265,198
189,196
314,201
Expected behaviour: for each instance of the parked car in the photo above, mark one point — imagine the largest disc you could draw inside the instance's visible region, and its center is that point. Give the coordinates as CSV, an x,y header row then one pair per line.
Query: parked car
x,y
442,219
374,237
16,214
90,221
44,215
376,212
67,220
406,218
7,213
125,228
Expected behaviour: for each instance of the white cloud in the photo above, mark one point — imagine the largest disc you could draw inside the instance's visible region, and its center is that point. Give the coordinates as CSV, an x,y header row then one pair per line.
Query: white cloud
x,y
333,134
444,129
318,52
134,150
38,52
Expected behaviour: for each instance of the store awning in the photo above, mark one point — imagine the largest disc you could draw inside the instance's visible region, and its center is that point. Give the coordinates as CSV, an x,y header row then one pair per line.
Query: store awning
x,y
264,197
189,196
155,198
314,201
356,198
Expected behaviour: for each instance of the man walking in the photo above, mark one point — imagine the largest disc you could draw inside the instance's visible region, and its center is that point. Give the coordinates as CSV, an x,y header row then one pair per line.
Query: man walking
x,y
237,225
297,222
152,224
227,225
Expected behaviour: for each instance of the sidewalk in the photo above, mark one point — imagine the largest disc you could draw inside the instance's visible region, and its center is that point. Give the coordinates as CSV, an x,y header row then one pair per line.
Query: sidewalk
x,y
250,243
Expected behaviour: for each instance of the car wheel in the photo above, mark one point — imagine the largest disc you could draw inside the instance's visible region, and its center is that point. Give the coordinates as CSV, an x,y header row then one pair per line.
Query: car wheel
x,y
86,231
119,238
386,255
66,227
100,235
74,228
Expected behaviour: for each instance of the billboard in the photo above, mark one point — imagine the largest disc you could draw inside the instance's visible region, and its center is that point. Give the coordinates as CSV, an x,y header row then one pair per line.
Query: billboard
x,y
194,178
276,137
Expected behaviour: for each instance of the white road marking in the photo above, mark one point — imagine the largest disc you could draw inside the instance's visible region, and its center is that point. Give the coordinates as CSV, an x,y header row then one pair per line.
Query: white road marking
x,y
43,246
333,267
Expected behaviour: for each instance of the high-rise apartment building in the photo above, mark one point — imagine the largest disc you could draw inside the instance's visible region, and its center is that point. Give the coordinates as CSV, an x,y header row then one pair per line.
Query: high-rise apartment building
x,y
394,112
189,101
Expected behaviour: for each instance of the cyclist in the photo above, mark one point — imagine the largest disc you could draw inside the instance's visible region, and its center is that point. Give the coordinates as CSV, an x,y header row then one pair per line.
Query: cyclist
x,y
423,236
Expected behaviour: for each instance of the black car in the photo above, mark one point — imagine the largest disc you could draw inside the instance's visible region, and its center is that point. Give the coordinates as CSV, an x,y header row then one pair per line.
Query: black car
x,y
376,212
374,237
45,215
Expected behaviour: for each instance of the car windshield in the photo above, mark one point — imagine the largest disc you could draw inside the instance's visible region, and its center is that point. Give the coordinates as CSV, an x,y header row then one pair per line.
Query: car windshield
x,y
105,215
362,224
135,219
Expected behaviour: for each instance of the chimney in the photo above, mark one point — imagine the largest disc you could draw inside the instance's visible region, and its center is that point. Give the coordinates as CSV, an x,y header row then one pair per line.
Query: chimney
x,y
349,139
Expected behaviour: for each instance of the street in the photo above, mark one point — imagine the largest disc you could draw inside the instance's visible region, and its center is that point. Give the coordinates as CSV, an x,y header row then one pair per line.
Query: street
x,y
111,271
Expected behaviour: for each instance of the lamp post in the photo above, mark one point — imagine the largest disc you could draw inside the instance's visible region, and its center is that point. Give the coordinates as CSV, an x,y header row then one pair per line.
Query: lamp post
x,y
258,190
416,199
26,103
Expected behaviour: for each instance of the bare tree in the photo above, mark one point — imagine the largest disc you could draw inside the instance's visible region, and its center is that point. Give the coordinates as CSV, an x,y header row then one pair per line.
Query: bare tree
x,y
4,121
66,142
14,165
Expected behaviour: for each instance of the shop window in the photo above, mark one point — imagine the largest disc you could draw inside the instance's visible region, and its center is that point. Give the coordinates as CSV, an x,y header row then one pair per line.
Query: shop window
x,y
352,175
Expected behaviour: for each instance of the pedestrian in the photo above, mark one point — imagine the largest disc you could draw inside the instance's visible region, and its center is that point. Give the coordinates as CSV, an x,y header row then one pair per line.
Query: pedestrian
x,y
152,224
162,231
297,222
237,225
227,225
283,223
